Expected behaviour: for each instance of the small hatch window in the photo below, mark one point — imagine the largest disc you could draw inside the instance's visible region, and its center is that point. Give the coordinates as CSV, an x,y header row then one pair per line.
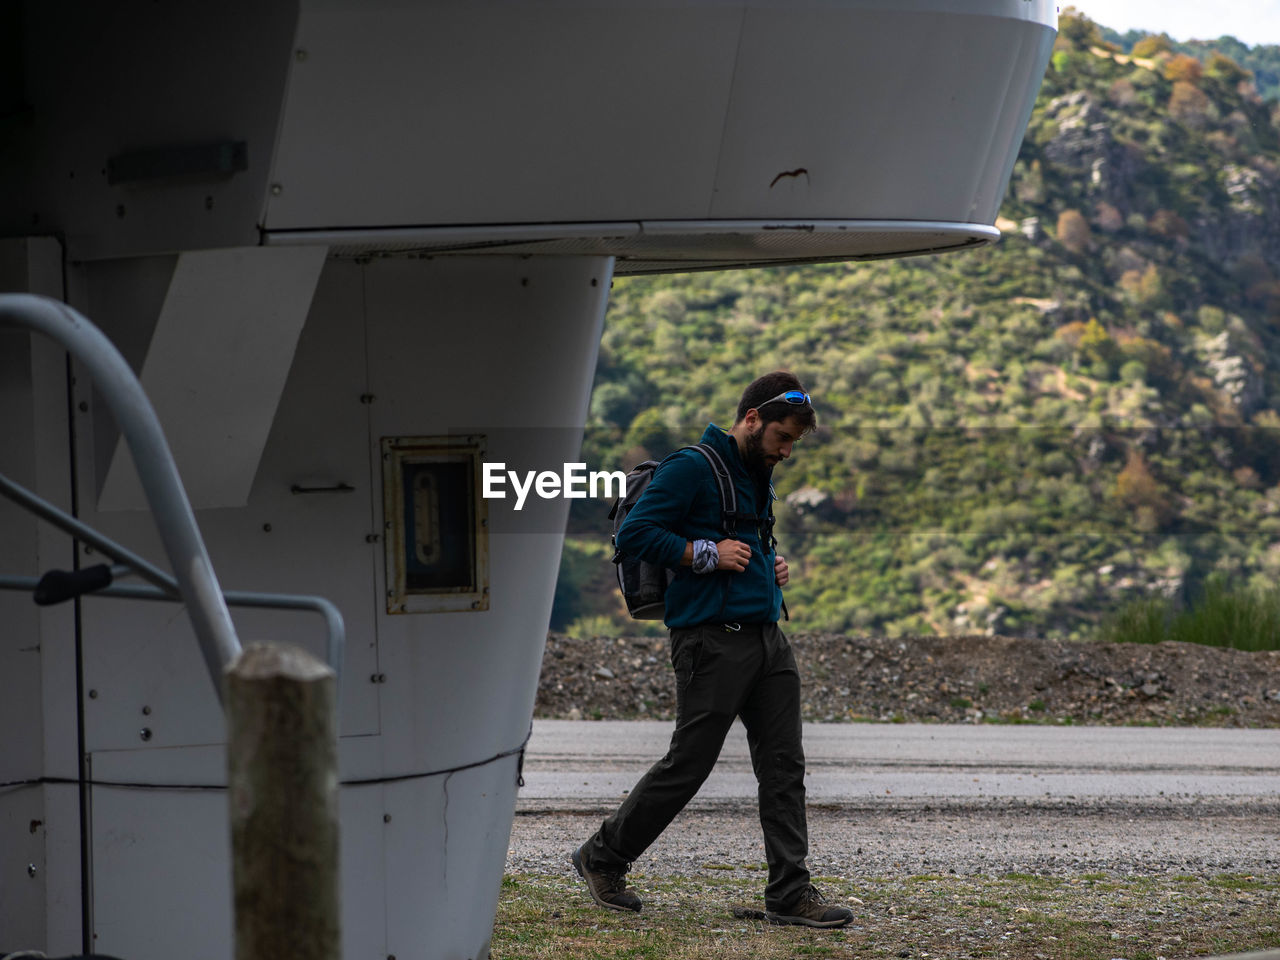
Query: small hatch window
x,y
436,523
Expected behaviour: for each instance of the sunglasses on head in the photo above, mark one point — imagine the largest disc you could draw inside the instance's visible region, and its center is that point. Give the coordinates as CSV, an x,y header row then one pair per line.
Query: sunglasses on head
x,y
797,397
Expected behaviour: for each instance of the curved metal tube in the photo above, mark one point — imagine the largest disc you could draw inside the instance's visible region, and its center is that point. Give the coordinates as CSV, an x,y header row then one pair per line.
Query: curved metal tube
x,y
335,628
156,468
82,531
164,586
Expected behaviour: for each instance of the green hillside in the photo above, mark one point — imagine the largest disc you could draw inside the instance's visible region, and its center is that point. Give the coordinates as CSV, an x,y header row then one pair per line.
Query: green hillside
x,y
1261,61
1020,438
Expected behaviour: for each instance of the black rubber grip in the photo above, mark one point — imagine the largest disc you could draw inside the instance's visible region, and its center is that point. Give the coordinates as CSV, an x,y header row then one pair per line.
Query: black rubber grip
x,y
59,585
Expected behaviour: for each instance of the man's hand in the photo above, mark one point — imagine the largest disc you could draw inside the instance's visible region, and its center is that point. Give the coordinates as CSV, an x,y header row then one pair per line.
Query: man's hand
x,y
781,573
734,555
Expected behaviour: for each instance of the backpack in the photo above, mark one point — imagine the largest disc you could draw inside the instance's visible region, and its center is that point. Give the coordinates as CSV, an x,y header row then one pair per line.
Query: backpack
x,y
644,584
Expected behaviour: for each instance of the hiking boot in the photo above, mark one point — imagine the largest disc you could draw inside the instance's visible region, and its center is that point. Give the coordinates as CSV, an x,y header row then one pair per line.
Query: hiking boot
x,y
812,910
608,887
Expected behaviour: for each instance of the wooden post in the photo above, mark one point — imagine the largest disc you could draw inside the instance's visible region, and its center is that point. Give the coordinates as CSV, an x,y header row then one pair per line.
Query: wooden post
x,y
282,759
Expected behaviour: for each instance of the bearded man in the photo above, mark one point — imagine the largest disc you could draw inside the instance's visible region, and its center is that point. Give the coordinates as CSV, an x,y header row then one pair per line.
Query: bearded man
x,y
729,656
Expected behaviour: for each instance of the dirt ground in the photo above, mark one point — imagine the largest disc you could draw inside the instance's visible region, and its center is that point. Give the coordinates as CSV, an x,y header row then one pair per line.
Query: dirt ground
x,y
1012,879
943,680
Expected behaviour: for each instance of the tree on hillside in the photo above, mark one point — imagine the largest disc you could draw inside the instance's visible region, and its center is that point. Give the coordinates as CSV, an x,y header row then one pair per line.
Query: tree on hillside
x,y
1221,67
1106,218
1189,104
1073,231
1152,46
1183,67
1076,31
1167,223
1139,490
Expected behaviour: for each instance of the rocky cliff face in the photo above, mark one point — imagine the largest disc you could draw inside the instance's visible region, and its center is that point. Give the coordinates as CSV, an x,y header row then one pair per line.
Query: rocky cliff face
x,y
1085,148
1238,218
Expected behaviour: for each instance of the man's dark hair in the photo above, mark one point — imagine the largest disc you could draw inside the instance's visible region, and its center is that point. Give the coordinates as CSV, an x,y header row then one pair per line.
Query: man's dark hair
x,y
764,389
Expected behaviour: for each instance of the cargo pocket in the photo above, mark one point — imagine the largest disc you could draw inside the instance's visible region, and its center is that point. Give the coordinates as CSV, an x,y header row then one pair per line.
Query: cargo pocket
x,y
686,651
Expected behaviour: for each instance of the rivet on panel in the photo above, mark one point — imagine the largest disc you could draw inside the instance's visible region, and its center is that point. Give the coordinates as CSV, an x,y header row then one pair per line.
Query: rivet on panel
x,y
276,189
371,538
93,694
145,733
31,870
300,56
266,528
146,711
367,398
386,818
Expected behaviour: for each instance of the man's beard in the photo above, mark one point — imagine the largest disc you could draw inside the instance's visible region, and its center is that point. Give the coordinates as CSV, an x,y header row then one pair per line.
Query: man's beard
x,y
753,455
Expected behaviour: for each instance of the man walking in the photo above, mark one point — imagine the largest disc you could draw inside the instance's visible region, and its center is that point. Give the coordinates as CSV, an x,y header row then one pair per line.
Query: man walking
x,y
730,658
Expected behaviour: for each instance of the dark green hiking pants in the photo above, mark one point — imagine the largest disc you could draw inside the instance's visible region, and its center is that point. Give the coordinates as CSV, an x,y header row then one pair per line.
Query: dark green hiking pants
x,y
723,674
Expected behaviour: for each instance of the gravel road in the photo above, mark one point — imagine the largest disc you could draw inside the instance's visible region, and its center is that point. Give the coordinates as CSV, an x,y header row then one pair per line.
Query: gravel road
x,y
888,800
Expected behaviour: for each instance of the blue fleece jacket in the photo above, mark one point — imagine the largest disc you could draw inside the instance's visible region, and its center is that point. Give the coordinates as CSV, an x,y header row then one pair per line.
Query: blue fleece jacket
x,y
682,503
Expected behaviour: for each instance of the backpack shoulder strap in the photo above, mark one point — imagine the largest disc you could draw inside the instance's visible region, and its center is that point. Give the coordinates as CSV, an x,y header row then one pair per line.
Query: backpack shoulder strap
x,y
724,483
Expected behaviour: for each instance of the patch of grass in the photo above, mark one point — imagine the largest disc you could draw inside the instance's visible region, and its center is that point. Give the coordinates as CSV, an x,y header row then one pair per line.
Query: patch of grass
x,y
1243,618
1095,916
961,703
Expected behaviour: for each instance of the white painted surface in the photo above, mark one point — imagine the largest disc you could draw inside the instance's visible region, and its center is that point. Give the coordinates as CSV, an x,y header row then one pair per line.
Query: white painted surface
x,y
215,368
32,384
690,112
430,346
108,80
607,109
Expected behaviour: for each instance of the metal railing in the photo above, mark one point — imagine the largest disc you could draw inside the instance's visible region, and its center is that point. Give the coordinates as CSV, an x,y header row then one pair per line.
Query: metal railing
x,y
193,581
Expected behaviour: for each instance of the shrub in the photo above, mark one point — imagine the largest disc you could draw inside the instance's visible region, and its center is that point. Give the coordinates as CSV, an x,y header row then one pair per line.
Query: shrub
x,y
1221,67
1183,67
1077,31
1244,618
1189,104
1142,620
1073,231
1153,45
1106,217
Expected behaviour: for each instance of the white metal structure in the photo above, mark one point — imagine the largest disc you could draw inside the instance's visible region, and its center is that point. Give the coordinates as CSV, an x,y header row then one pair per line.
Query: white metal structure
x,y
319,226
